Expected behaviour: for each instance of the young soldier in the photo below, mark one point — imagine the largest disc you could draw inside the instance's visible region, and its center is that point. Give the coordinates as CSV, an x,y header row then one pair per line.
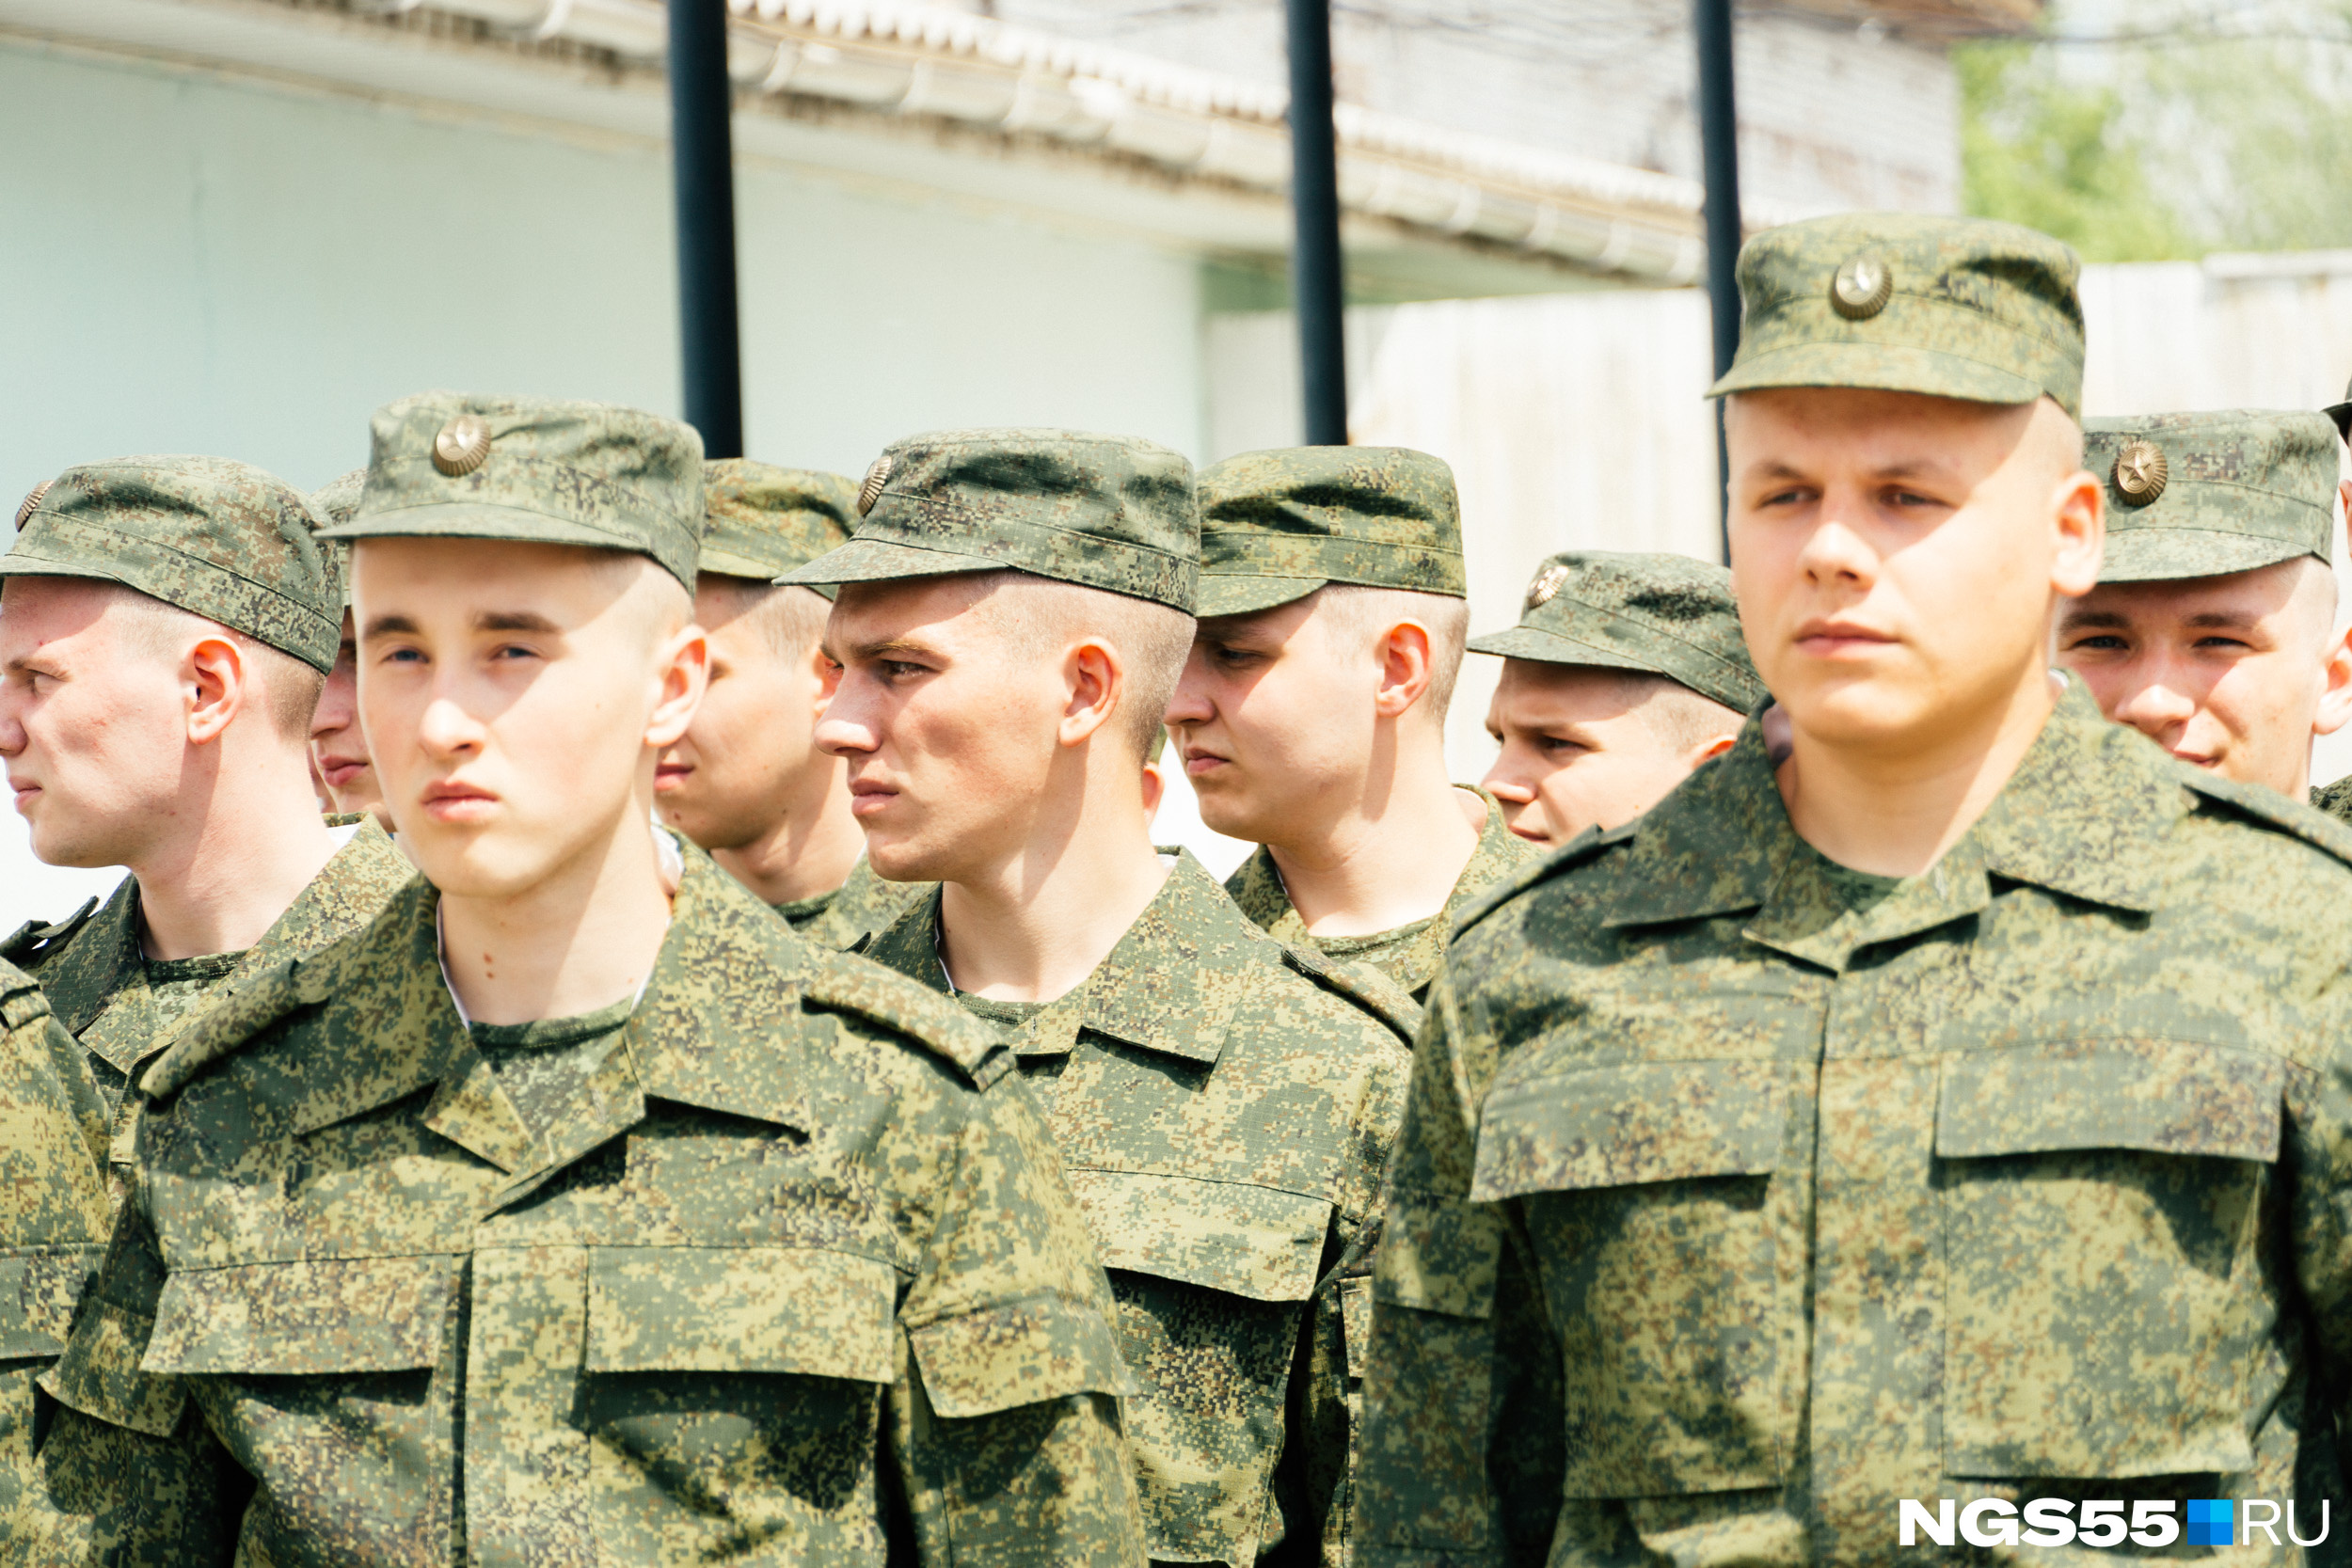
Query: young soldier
x,y
164,625
576,1211
1894,1132
1311,715
1624,672
338,751
1013,611
2212,631
747,782
53,1217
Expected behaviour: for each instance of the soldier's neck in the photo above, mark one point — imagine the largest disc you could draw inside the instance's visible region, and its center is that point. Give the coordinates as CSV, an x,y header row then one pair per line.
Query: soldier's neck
x,y
252,839
1034,925
1387,852
810,848
1892,810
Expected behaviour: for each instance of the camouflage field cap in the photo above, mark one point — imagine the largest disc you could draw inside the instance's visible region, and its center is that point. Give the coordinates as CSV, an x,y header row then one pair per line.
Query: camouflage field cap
x,y
764,520
2341,413
2201,495
215,538
1665,614
1276,526
1110,512
445,466
1903,302
334,502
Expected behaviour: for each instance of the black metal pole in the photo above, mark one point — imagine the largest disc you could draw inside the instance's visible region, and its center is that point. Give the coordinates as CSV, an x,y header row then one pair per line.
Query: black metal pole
x,y
1718,157
1315,280
702,151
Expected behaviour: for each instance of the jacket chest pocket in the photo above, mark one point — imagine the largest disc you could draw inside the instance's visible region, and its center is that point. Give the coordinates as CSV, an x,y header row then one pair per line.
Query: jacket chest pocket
x,y
2106,1296
1671,1251
731,1398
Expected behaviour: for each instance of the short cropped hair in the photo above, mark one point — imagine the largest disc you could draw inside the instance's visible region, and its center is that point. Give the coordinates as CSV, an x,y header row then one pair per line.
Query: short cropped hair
x,y
290,687
1361,613
1039,615
790,618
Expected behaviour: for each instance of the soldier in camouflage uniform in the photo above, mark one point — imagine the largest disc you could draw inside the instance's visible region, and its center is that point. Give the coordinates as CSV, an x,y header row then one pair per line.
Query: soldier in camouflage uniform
x,y
338,751
52,1214
2212,630
1012,612
231,869
1311,715
575,1210
1624,672
747,783
1955,1112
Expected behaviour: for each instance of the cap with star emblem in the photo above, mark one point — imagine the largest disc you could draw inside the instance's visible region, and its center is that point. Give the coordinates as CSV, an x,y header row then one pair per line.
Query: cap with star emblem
x,y
1956,307
1277,525
1665,614
216,538
1109,512
764,520
445,465
2203,495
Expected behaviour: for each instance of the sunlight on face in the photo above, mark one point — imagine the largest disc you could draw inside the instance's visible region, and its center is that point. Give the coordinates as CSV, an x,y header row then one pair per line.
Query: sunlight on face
x,y
1577,748
514,697
751,753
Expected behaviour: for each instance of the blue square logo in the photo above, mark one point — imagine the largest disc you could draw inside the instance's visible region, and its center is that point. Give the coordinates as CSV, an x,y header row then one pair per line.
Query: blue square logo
x,y
2209,1522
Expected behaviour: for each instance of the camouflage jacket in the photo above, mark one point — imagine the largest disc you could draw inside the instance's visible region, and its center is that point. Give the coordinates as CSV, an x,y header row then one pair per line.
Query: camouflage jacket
x,y
2027,1180
855,910
1224,1109
95,976
1413,960
2334,798
53,1209
797,1281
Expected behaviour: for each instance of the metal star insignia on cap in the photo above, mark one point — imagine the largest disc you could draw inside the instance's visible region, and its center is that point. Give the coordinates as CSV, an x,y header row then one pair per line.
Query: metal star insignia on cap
x,y
2140,471
25,508
462,446
1546,583
870,490
1862,287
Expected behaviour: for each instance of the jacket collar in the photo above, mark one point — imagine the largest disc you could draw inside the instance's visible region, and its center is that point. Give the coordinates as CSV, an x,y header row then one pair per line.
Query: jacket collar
x,y
2083,816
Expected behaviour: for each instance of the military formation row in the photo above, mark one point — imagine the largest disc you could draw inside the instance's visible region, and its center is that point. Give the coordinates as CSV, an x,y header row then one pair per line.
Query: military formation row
x,y
1897,1080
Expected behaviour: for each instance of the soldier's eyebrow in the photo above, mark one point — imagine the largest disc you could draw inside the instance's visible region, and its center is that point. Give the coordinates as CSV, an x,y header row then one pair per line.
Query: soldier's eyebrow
x,y
888,647
2109,620
388,625
515,620
2222,620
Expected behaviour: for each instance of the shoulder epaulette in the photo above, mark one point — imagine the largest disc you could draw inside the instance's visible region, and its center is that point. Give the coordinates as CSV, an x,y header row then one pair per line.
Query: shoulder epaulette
x,y
2271,809
1585,846
1362,985
884,996
34,941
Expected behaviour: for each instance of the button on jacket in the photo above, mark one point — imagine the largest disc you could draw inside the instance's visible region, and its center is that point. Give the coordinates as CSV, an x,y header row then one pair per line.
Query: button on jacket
x,y
1224,1106
796,1274
1778,1205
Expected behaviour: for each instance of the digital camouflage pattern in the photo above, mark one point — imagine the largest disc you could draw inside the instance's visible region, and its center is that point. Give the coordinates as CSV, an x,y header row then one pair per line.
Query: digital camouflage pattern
x,y
800,1223
1977,309
1666,615
2024,1179
2335,800
1110,512
97,978
1224,1108
52,1211
549,472
217,539
334,504
2243,488
763,520
1410,954
855,910
1276,526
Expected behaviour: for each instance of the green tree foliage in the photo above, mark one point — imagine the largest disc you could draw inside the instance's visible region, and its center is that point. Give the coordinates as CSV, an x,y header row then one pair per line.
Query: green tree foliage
x,y
2055,155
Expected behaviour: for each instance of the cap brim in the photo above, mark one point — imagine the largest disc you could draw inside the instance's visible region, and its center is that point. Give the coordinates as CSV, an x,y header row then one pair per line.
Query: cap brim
x,y
881,560
1549,648
473,520
1878,368
2170,554
1236,594
19,564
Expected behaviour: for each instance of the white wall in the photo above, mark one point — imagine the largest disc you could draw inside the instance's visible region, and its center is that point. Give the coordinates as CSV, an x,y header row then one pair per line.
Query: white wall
x,y
201,263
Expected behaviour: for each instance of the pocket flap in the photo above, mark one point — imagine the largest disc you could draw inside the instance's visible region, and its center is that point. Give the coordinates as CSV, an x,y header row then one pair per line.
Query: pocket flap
x,y
741,1310
38,1289
2167,1097
306,1317
1636,1122
1021,1352
1255,1242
